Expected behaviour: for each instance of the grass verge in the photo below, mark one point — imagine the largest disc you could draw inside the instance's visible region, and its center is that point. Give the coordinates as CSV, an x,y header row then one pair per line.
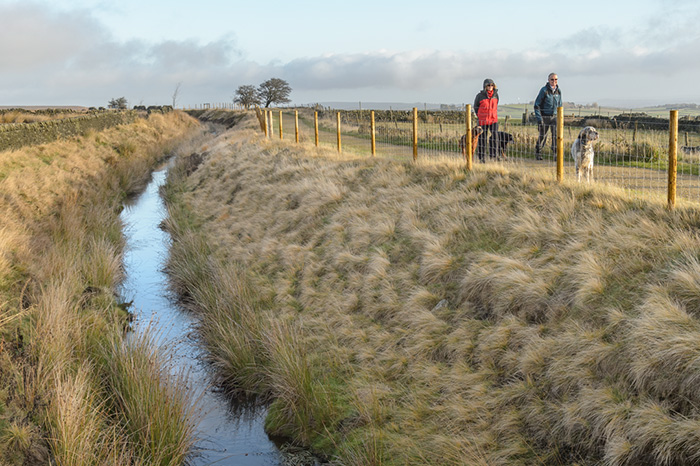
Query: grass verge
x,y
74,393
400,313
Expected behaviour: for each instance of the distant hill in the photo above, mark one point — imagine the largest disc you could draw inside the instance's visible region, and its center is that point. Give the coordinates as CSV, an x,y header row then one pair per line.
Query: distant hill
x,y
516,110
32,108
378,105
606,104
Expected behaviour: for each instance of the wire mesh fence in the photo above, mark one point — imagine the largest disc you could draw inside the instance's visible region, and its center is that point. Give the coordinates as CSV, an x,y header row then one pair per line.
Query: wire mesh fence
x,y
632,151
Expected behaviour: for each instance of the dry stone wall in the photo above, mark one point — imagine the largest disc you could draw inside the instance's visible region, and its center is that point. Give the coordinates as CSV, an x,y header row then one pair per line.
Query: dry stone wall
x,y
17,135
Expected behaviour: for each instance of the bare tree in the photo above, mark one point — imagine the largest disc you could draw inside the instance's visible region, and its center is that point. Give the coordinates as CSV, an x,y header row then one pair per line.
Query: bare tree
x,y
247,96
274,90
175,93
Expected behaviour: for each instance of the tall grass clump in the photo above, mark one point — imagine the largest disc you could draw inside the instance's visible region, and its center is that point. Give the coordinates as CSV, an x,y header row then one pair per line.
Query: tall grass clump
x,y
60,267
151,405
401,313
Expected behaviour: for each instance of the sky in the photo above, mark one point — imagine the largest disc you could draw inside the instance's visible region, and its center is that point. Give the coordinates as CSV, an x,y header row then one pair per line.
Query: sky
x,y
627,53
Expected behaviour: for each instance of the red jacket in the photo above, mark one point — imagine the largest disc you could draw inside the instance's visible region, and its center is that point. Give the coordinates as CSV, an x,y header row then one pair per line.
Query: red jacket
x,y
486,108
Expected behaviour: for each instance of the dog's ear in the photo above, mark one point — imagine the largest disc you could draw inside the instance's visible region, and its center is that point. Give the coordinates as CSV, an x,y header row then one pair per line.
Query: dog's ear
x,y
583,136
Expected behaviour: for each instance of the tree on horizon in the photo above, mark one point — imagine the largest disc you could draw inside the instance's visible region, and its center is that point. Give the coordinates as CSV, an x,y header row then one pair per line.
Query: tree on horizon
x,y
274,90
247,95
119,103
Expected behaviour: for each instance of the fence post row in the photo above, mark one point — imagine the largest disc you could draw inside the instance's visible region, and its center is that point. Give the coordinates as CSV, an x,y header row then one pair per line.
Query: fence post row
x,y
468,143
672,157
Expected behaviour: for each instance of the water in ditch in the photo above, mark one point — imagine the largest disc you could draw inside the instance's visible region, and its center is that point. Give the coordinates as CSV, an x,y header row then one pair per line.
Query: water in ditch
x,y
227,434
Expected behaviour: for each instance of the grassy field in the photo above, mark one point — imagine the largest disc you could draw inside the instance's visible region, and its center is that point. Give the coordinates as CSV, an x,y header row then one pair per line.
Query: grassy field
x,y
38,114
401,313
73,391
617,150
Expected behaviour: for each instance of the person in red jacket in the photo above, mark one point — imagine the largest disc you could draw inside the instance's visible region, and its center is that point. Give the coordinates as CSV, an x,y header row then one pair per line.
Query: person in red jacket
x,y
486,108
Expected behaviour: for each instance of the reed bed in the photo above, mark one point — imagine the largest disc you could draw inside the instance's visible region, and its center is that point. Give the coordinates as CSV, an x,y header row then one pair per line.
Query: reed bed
x,y
66,374
413,313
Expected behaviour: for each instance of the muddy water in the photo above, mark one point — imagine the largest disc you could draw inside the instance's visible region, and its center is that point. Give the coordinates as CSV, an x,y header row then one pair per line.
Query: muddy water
x,y
228,435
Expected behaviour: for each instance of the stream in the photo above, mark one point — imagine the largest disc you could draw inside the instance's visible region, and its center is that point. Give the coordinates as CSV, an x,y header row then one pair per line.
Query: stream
x,y
227,434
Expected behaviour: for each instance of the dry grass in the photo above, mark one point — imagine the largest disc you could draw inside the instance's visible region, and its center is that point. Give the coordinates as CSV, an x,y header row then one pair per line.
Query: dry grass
x,y
17,116
60,266
414,314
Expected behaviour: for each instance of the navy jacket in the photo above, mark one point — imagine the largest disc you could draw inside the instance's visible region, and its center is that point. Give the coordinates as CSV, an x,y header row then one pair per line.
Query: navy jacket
x,y
547,102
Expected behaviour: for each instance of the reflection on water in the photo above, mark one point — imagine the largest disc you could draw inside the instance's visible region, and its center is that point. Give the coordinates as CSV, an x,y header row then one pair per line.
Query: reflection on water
x,y
227,435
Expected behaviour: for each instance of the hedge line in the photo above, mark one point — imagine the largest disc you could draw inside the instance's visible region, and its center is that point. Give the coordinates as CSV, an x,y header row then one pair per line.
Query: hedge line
x,y
17,135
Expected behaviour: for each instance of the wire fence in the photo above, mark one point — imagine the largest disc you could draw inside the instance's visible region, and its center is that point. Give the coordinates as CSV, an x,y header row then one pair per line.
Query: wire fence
x,y
632,151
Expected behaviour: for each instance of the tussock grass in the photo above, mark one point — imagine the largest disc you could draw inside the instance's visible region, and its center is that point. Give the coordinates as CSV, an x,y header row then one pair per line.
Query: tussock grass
x,y
152,406
403,313
60,266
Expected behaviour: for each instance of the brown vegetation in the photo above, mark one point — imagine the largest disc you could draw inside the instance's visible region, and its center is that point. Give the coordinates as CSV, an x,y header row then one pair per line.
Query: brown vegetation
x,y
403,313
70,392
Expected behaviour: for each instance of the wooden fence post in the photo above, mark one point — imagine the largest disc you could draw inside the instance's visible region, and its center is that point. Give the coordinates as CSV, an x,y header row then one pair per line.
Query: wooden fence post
x,y
415,134
373,132
316,127
296,125
281,125
267,134
560,144
338,125
468,146
672,157
269,112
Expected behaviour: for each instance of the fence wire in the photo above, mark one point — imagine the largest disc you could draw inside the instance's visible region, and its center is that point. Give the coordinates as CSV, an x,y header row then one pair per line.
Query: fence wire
x,y
630,153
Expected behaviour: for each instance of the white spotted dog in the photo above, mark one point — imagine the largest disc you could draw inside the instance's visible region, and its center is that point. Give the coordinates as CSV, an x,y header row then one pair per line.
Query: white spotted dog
x,y
582,152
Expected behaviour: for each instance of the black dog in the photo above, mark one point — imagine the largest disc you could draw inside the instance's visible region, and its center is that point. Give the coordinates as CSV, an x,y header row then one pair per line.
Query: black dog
x,y
499,144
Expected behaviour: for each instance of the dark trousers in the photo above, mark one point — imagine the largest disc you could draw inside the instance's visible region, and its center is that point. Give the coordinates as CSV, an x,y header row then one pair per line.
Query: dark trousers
x,y
482,147
548,123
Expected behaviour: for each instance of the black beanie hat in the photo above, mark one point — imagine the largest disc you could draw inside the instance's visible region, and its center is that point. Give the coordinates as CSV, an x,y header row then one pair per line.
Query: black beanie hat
x,y
488,81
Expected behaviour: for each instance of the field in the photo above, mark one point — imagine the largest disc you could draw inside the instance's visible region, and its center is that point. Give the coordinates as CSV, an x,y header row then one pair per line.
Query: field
x,y
412,313
22,115
626,143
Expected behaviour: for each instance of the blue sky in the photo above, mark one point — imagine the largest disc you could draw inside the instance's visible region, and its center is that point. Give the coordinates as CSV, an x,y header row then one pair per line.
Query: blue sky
x,y
85,52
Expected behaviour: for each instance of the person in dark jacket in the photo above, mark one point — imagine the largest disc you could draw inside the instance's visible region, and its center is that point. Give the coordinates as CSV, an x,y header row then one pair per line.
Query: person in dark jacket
x,y
546,104
486,109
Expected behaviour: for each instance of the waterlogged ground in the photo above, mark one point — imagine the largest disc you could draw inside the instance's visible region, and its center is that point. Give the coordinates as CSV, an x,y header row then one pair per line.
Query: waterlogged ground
x,y
228,434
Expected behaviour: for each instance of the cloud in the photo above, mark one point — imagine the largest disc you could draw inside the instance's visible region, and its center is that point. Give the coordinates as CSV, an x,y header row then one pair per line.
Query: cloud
x,y
61,58
68,57
593,38
32,37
